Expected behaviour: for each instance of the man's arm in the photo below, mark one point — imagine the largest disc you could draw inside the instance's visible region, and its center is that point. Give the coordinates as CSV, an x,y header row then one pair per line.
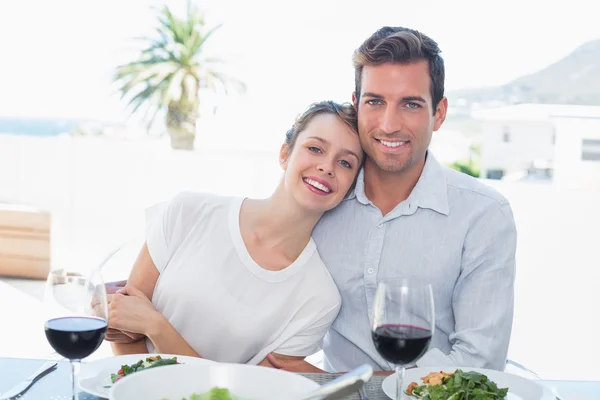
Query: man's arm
x,y
134,347
290,363
483,299
295,364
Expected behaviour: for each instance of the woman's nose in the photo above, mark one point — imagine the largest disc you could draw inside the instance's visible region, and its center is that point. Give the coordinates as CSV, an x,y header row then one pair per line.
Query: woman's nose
x,y
325,169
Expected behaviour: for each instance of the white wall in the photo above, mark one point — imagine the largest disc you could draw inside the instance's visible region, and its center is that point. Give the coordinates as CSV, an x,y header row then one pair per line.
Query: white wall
x,y
98,189
556,323
529,140
449,146
570,170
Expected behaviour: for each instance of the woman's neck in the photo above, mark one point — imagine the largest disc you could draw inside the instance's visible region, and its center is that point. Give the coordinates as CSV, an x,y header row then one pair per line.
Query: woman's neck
x,y
278,225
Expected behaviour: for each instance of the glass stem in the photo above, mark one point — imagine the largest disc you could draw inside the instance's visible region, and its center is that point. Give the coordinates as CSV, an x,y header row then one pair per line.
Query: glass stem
x,y
74,383
399,381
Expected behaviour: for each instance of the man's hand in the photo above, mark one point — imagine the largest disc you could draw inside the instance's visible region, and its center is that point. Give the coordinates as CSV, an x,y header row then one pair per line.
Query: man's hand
x,y
122,337
383,373
292,364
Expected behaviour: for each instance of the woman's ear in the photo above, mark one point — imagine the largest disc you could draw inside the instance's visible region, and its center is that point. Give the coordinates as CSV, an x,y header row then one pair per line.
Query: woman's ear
x,y
284,152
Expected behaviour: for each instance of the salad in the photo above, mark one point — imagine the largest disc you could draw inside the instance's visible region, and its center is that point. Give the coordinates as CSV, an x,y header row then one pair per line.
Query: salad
x,y
458,385
149,362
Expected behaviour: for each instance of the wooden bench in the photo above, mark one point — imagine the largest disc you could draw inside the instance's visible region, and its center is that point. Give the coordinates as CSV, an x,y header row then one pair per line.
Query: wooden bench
x,y
24,241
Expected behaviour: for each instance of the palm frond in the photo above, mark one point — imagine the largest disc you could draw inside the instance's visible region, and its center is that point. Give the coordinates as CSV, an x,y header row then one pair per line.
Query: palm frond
x,y
131,77
172,66
219,81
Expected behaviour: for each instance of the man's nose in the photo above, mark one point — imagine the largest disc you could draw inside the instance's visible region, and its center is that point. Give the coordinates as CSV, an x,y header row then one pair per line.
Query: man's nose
x,y
391,120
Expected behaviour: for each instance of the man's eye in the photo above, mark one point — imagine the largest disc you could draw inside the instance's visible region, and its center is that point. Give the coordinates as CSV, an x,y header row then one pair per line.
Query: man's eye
x,y
413,106
374,102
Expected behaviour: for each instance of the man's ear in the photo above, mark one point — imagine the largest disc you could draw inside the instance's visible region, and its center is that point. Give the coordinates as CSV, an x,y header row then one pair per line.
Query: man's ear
x,y
440,114
355,101
284,152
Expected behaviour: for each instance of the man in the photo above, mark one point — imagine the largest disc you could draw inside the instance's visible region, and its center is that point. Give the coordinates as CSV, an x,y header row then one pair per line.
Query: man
x,y
410,217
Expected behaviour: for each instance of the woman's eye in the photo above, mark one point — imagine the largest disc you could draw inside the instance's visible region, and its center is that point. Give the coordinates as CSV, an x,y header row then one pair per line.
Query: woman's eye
x,y
346,164
314,149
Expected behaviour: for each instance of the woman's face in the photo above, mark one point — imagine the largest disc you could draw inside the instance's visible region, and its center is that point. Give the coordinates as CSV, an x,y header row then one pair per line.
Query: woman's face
x,y
323,164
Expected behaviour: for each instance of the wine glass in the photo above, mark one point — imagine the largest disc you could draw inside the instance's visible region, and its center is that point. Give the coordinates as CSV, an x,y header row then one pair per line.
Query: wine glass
x,y
79,313
403,323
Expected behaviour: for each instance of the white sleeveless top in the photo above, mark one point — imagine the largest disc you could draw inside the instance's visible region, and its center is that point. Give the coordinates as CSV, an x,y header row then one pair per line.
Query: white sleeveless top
x,y
226,306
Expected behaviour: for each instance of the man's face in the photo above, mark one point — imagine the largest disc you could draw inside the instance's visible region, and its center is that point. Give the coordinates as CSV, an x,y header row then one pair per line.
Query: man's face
x,y
395,117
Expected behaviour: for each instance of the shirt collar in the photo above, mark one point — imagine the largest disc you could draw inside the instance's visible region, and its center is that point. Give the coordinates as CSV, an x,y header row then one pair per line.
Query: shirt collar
x,y
430,192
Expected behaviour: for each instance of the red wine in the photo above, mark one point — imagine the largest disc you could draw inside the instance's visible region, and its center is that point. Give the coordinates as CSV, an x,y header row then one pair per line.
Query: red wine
x,y
75,337
401,344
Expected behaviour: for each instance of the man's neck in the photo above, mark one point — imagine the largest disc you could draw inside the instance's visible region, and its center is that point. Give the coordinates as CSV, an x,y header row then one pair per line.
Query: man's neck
x,y
388,189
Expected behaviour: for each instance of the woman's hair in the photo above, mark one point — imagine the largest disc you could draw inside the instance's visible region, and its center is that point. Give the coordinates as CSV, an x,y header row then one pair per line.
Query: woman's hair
x,y
345,112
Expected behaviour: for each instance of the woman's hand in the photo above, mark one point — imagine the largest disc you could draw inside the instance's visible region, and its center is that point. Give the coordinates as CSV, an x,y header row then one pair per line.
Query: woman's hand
x,y
131,311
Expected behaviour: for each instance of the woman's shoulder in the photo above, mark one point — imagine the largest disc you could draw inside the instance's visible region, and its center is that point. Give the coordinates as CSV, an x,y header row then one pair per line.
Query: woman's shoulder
x,y
194,202
196,197
318,277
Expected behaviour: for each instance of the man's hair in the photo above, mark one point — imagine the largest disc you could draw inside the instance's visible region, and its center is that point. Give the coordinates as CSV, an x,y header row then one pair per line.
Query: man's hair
x,y
403,46
345,112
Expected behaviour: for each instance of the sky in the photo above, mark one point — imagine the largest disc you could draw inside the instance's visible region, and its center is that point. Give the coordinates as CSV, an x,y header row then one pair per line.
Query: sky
x,y
58,56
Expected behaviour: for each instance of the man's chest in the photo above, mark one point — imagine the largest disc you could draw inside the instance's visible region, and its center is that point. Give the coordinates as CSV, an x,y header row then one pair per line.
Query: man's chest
x,y
361,247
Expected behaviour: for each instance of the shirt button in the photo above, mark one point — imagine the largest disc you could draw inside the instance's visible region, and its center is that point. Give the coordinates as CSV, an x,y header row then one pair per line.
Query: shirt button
x,y
370,271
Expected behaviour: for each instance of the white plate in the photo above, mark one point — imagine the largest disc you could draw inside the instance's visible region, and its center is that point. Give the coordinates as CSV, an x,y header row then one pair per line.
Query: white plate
x,y
518,388
174,382
95,375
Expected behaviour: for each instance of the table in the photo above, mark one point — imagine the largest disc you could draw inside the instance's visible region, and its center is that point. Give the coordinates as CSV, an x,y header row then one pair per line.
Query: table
x,y
56,386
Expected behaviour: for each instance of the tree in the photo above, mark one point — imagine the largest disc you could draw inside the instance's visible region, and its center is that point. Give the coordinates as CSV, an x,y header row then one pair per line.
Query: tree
x,y
470,166
466,167
171,72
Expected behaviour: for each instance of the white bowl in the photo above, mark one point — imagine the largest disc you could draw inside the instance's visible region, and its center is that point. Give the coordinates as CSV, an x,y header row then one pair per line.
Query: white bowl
x,y
248,382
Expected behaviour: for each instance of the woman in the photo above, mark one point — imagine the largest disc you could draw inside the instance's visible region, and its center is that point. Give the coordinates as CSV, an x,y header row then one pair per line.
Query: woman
x,y
232,279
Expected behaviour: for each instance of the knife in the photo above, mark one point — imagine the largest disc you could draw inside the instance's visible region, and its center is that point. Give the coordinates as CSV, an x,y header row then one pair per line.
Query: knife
x,y
22,387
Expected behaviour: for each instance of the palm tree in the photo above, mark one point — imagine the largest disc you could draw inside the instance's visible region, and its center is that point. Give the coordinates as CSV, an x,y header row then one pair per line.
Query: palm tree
x,y
171,72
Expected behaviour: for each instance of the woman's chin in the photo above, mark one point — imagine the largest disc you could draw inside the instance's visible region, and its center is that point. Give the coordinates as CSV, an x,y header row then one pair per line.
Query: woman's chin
x,y
319,204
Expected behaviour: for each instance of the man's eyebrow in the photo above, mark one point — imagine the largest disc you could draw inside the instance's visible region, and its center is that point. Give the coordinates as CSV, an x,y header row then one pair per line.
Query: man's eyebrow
x,y
414,98
405,98
371,94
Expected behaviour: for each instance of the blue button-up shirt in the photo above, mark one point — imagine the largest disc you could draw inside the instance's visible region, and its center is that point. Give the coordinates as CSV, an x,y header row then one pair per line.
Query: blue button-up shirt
x,y
452,231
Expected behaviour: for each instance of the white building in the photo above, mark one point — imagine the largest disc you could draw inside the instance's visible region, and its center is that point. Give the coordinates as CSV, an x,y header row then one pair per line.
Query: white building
x,y
563,139
449,146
